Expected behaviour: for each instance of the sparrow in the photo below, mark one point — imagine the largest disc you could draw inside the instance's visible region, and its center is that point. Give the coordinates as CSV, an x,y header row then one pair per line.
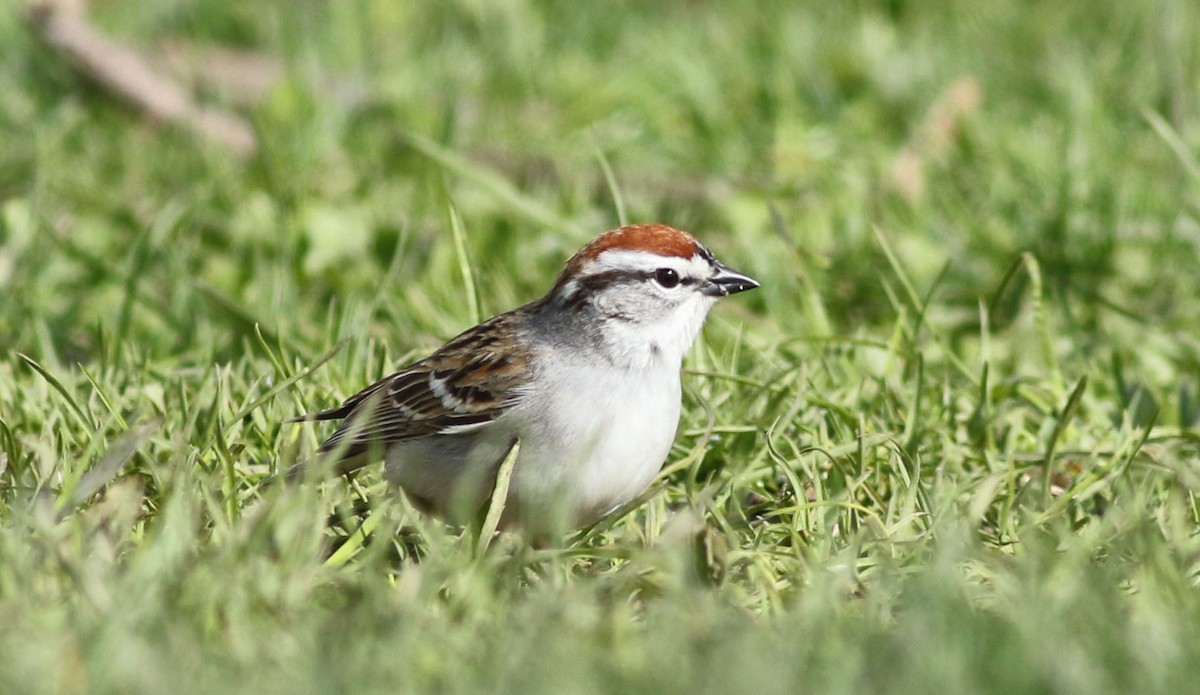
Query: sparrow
x,y
587,379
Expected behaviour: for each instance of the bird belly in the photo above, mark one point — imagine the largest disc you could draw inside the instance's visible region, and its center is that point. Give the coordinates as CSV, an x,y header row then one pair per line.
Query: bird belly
x,y
603,446
451,475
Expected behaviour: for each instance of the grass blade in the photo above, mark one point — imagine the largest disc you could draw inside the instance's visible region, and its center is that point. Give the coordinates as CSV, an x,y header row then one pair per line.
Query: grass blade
x,y
495,509
286,383
491,182
1060,425
610,180
57,386
110,464
464,265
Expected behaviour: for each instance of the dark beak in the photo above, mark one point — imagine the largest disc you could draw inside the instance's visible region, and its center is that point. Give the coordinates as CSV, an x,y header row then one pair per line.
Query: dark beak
x,y
728,281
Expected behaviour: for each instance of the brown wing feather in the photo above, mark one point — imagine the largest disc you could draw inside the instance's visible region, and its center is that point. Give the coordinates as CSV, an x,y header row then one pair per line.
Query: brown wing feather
x,y
469,382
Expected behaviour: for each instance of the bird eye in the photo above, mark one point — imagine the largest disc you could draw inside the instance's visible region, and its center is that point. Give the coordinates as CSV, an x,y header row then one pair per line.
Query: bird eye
x,y
666,277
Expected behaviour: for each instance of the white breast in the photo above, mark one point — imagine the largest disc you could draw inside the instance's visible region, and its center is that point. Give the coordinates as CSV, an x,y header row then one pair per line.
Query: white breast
x,y
601,436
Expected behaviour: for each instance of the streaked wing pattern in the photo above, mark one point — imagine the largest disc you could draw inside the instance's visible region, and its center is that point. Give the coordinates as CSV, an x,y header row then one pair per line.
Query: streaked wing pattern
x,y
465,385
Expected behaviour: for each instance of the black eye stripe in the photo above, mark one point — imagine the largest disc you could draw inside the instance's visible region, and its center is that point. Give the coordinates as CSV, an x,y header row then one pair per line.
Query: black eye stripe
x,y
589,284
578,294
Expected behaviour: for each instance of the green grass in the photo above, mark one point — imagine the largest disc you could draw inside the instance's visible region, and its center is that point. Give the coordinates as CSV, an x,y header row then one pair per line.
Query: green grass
x,y
949,446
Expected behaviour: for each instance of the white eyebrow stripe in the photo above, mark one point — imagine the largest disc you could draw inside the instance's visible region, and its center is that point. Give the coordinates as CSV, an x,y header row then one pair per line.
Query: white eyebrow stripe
x,y
645,261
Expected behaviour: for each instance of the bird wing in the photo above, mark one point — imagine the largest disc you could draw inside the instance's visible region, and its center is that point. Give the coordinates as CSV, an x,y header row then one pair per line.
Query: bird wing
x,y
462,387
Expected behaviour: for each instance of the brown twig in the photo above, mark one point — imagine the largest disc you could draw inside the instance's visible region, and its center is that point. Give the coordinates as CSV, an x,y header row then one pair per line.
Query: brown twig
x,y
936,133
127,74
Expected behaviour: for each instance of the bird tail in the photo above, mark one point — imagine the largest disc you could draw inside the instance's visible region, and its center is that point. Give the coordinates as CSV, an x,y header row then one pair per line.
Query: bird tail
x,y
338,413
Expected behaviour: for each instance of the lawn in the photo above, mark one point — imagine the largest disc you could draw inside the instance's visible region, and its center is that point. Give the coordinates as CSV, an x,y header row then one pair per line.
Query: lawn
x,y
949,446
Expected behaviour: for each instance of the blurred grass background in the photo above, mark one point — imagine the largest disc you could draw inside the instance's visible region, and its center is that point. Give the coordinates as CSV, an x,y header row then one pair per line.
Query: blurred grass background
x,y
948,447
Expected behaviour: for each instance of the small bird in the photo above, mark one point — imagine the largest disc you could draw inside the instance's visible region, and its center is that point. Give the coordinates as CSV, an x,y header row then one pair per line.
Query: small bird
x,y
587,379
